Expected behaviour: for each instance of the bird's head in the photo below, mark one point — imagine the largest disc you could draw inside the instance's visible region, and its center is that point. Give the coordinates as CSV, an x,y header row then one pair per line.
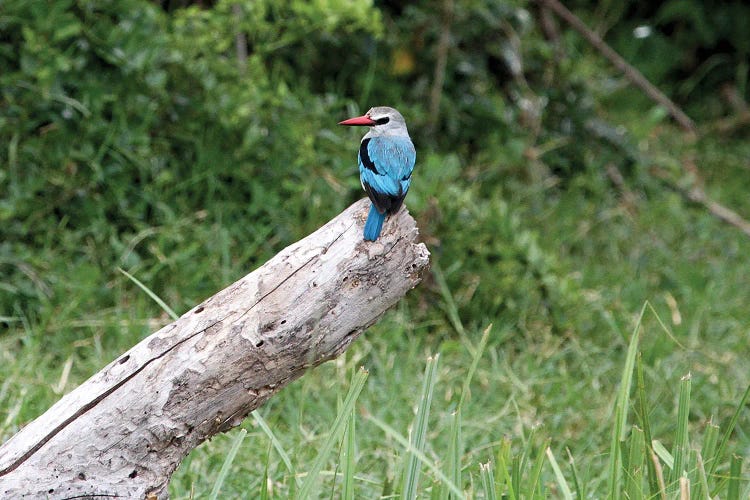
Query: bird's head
x,y
382,120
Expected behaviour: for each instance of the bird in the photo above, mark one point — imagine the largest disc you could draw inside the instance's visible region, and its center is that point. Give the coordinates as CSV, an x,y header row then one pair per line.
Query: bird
x,y
386,160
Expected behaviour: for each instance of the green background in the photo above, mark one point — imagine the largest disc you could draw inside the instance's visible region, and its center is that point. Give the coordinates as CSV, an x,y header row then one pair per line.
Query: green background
x,y
550,192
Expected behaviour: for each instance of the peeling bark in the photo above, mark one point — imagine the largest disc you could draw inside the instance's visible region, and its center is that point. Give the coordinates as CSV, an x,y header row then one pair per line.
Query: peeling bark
x,y
123,432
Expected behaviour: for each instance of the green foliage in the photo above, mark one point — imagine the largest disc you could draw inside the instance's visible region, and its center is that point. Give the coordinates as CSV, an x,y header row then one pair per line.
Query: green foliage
x,y
119,120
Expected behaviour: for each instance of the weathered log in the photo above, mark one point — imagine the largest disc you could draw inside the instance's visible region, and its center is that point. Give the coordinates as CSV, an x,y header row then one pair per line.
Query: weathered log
x,y
125,430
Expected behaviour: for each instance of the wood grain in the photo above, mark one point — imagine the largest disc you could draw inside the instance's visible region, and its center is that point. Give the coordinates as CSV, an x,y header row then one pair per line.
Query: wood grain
x,y
124,431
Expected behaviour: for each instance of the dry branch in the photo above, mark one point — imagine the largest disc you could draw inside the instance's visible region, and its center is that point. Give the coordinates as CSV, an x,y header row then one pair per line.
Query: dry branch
x,y
124,431
632,74
696,194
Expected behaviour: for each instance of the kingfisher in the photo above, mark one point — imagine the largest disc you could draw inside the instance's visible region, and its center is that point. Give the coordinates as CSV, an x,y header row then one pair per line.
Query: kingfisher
x,y
386,160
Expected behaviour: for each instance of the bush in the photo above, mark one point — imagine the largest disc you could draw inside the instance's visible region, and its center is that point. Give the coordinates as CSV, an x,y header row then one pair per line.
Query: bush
x,y
121,119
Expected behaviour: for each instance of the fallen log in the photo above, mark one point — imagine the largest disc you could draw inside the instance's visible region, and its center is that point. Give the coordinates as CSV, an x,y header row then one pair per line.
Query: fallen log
x,y
124,431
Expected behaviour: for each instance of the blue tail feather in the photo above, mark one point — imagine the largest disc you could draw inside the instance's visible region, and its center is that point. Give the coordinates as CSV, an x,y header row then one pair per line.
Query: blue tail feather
x,y
374,224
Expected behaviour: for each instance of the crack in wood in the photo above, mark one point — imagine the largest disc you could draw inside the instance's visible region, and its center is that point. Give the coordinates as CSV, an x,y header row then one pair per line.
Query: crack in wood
x,y
337,238
16,463
278,286
91,404
94,495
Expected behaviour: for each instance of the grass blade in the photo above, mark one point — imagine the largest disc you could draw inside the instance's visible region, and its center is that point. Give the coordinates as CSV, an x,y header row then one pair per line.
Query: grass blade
x,y
263,493
350,462
634,479
681,444
580,493
621,410
311,480
502,468
227,464
663,454
701,488
645,424
450,307
728,432
455,450
419,430
504,463
408,447
488,481
661,488
710,441
438,491
151,294
520,463
684,488
561,482
735,473
276,444
474,363
536,472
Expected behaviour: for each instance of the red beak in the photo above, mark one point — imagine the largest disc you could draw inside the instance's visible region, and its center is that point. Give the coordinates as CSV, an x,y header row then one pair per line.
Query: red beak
x,y
359,120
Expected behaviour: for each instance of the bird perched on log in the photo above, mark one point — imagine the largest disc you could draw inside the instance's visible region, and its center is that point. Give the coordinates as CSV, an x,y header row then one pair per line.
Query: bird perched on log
x,y
386,160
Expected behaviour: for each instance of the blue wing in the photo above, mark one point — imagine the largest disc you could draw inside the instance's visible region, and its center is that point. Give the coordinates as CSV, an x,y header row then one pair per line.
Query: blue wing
x,y
385,167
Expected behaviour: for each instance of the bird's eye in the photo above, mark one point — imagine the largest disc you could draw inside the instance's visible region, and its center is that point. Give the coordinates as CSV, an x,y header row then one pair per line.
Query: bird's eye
x,y
382,121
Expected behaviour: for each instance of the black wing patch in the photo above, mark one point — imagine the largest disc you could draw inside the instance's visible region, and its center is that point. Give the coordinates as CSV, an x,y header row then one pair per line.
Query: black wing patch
x,y
384,203
364,157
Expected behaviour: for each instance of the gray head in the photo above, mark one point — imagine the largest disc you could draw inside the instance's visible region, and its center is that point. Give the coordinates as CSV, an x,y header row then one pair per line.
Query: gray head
x,y
382,121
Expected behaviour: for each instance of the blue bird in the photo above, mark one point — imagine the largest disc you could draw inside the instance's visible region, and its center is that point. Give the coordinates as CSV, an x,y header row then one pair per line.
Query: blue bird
x,y
386,160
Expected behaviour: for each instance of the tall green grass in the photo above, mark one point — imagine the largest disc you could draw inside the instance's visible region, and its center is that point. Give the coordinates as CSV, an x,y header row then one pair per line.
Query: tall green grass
x,y
640,465
430,458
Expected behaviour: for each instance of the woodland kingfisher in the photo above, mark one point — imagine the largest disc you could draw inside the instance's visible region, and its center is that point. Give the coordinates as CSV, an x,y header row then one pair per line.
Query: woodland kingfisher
x,y
386,160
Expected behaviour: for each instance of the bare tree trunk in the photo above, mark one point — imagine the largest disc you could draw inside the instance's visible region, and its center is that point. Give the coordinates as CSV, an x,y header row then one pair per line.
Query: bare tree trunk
x,y
125,430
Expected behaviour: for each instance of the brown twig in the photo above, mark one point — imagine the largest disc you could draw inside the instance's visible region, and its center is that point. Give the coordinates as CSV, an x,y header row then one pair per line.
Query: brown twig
x,y
551,31
741,116
632,74
697,194
694,193
618,180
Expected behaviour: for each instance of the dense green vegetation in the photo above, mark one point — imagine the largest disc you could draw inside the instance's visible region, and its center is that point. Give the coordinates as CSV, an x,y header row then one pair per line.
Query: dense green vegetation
x,y
549,191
